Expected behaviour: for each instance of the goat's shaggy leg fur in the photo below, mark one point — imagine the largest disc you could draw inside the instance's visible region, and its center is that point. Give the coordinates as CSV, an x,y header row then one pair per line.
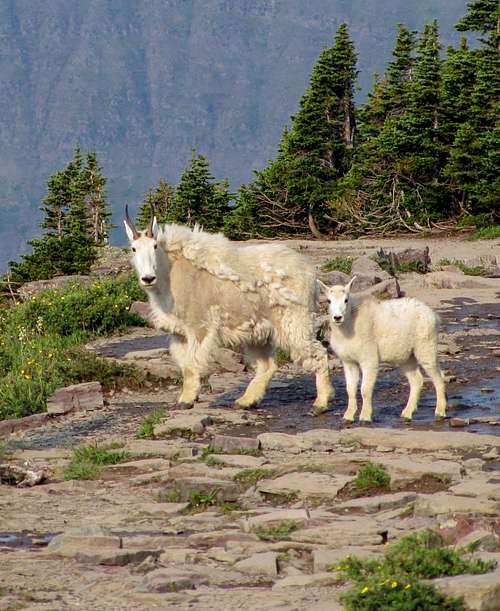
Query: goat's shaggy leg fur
x,y
431,367
351,372
369,372
191,382
265,369
416,381
298,336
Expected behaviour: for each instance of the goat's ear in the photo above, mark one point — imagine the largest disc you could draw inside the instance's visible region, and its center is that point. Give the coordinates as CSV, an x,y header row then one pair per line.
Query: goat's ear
x,y
323,288
128,229
349,284
154,228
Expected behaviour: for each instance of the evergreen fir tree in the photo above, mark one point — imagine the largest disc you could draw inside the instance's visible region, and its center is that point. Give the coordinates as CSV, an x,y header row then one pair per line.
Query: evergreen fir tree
x,y
94,187
390,96
68,245
395,181
459,74
475,157
161,198
291,195
199,198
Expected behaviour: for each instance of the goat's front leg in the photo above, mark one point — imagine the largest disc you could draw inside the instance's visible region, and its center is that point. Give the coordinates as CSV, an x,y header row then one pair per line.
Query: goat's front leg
x,y
369,372
191,385
351,372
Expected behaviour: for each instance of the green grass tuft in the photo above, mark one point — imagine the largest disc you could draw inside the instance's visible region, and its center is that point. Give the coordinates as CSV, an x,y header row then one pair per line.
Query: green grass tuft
x,y
371,478
146,429
87,461
466,269
249,477
277,533
486,233
338,264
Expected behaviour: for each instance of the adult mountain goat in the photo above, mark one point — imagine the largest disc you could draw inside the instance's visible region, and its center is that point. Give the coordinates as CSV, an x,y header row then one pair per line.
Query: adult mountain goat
x,y
207,292
365,332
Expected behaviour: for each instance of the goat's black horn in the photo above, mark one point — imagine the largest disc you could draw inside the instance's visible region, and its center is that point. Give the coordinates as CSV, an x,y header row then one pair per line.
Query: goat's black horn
x,y
149,231
130,223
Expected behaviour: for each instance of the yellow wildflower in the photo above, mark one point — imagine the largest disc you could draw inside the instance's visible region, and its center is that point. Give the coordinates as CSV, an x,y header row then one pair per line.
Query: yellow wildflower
x,y
365,590
407,586
394,584
50,355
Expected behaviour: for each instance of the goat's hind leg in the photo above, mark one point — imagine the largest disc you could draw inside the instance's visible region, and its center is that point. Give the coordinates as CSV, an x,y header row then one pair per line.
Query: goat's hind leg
x,y
265,369
369,372
416,380
431,367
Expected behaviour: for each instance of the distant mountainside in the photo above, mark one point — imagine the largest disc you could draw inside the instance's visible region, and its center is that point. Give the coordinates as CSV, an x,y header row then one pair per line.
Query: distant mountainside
x,y
144,81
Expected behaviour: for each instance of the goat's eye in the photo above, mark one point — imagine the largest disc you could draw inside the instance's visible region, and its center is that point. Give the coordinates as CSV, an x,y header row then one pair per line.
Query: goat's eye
x,y
133,249
329,300
156,246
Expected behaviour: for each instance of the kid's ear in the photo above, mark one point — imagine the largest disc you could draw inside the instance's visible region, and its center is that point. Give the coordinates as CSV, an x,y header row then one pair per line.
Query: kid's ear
x,y
349,284
323,288
128,229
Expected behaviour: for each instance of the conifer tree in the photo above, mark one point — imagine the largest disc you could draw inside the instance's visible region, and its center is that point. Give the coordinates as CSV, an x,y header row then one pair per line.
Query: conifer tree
x,y
94,188
161,198
475,157
68,246
199,198
390,96
291,195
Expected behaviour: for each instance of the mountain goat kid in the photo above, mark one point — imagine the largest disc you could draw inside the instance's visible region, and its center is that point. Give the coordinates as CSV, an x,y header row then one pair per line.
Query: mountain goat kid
x,y
366,331
207,292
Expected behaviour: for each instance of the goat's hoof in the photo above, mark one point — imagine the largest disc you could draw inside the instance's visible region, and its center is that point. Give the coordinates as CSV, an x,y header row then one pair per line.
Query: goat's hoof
x,y
317,411
347,424
246,406
184,405
365,422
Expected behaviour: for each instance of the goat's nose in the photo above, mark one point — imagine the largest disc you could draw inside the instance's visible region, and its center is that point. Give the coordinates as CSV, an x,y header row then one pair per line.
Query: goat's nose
x,y
148,279
337,318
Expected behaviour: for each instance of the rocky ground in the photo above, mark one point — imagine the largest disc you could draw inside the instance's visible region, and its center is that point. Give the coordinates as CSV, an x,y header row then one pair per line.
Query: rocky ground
x,y
175,527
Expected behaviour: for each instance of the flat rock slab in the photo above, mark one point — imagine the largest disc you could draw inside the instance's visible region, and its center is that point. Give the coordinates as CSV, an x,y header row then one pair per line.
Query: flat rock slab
x,y
170,580
341,532
308,581
404,469
183,425
229,444
419,440
160,447
240,461
265,563
280,441
372,504
78,397
305,485
445,503
479,487
275,517
143,464
481,592
226,490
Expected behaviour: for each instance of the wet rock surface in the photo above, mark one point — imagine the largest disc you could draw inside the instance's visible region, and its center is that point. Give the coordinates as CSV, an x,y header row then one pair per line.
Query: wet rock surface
x,y
257,521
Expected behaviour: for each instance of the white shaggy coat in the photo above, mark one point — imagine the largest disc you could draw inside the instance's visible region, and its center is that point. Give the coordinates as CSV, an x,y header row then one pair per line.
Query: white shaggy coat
x,y
207,292
366,332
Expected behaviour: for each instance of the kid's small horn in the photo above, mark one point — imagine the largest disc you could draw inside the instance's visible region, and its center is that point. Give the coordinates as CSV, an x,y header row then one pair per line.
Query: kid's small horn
x,y
130,223
149,231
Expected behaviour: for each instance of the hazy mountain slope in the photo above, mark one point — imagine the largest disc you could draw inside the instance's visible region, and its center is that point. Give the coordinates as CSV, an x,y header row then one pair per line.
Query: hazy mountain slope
x,y
143,82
